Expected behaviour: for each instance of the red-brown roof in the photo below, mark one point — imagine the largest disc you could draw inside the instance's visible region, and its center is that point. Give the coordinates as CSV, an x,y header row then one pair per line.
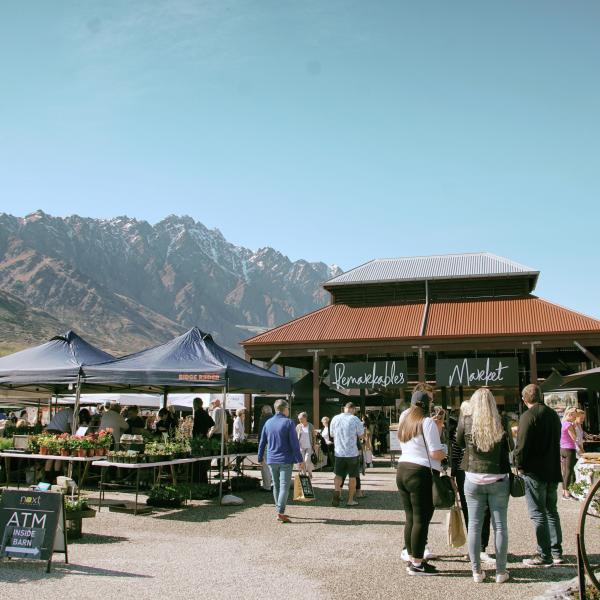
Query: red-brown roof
x,y
505,317
502,317
339,323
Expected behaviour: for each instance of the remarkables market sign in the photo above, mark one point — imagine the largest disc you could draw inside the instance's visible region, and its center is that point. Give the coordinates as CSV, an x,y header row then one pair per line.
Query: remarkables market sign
x,y
378,375
477,372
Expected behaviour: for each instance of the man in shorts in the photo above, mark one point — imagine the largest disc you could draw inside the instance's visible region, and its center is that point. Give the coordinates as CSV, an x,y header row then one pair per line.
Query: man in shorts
x,y
346,429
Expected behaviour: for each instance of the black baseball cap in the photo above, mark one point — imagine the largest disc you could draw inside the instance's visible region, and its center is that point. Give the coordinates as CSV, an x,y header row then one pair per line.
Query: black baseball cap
x,y
420,399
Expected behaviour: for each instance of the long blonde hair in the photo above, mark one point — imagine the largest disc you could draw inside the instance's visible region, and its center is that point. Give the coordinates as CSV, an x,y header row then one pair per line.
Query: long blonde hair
x,y
411,423
486,428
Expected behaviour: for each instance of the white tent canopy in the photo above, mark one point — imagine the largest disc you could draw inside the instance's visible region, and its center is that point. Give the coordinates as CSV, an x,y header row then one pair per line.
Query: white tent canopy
x,y
179,401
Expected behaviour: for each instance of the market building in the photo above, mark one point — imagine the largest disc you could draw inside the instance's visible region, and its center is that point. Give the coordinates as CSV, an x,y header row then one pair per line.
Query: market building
x,y
457,321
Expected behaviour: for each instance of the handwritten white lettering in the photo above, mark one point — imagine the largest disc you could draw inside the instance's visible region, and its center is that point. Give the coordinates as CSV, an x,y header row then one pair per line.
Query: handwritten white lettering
x,y
380,375
462,375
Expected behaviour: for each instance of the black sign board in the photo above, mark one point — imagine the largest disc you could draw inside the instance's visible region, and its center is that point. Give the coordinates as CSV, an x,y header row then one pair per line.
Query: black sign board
x,y
32,525
477,372
307,488
378,375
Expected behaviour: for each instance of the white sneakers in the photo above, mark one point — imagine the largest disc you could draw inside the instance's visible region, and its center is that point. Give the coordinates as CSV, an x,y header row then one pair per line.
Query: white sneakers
x,y
429,555
502,577
486,558
479,577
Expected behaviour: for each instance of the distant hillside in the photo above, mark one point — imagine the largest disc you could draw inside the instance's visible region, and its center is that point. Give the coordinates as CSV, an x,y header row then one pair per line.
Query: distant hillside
x,y
125,284
22,325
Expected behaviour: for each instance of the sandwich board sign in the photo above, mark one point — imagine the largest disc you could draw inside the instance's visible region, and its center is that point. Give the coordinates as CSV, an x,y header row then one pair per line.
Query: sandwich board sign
x,y
32,525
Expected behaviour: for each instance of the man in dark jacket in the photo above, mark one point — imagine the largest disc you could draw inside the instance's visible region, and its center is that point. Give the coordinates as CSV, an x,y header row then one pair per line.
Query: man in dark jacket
x,y
537,456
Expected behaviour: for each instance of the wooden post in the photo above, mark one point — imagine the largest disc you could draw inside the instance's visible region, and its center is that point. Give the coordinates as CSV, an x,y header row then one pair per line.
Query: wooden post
x,y
248,407
421,365
315,394
533,363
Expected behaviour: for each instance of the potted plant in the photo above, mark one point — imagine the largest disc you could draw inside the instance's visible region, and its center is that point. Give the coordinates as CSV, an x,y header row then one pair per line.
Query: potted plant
x,y
166,496
104,441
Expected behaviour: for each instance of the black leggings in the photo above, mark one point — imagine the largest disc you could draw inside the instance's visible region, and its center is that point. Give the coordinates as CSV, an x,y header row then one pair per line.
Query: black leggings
x,y
485,531
568,458
414,484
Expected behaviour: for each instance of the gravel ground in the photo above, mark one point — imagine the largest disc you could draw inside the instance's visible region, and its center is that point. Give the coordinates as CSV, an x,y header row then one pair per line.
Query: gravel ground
x,y
242,552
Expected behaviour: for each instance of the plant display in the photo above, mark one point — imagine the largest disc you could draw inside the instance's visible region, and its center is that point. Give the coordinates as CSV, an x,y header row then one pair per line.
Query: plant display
x,y
66,444
167,496
244,447
5,443
243,483
73,505
202,491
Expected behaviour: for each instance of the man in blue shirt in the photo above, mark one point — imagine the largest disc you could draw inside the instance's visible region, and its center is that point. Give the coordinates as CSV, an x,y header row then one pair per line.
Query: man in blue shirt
x,y
280,441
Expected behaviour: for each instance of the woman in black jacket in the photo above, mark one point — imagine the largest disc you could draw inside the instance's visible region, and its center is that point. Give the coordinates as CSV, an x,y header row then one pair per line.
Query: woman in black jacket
x,y
486,466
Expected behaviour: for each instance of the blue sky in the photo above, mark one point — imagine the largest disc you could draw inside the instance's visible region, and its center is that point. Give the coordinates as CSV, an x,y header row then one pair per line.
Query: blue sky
x,y
330,130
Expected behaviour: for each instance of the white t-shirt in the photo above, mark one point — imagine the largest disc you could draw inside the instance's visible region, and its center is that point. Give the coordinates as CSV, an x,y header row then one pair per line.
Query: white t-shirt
x,y
113,420
345,429
485,478
325,435
414,450
239,433
305,437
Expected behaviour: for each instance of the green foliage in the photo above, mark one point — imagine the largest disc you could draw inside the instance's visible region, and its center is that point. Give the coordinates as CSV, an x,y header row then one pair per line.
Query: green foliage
x,y
76,505
243,483
166,495
201,491
6,443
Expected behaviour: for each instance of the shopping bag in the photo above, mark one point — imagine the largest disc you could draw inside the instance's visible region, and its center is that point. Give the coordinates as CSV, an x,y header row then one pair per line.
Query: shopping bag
x,y
303,489
456,530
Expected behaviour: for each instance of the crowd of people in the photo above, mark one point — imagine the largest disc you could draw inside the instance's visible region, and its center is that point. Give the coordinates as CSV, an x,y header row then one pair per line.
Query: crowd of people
x,y
483,450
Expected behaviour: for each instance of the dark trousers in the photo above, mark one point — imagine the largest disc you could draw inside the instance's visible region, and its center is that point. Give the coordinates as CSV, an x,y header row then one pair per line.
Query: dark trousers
x,y
568,458
414,484
485,531
541,504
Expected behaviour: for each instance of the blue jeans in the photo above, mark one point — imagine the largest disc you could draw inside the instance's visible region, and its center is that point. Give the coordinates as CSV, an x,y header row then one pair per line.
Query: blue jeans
x,y
541,504
495,495
282,478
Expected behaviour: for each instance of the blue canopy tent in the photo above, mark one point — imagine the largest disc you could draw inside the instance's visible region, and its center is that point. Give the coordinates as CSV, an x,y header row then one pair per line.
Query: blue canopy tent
x,y
53,367
188,362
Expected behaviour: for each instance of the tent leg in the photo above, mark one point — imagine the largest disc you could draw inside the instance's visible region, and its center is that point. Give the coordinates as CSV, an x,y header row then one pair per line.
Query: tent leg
x,y
164,399
223,445
75,423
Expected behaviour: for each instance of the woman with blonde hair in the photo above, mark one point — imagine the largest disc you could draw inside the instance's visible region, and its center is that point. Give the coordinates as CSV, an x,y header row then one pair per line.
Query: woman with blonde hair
x,y
307,437
568,450
420,461
486,466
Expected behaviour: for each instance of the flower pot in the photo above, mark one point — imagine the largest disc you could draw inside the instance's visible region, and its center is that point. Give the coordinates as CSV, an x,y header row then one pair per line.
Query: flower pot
x,y
44,450
81,452
74,452
91,451
64,452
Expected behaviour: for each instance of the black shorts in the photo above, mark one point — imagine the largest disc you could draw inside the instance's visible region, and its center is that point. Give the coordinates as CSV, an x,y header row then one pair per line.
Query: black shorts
x,y
346,467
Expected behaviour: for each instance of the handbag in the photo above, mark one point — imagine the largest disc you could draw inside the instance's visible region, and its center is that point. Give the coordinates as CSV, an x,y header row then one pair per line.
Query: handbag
x,y
444,494
517,485
455,527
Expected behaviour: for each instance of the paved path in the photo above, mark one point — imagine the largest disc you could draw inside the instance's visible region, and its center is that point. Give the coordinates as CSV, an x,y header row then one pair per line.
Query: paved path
x,y
242,552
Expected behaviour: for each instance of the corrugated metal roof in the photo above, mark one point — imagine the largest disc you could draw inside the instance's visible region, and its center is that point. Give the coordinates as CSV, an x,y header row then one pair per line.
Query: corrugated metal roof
x,y
500,317
446,266
342,323
505,317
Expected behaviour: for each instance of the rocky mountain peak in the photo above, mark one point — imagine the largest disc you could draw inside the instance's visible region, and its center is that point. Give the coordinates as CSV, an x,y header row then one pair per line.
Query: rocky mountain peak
x,y
130,283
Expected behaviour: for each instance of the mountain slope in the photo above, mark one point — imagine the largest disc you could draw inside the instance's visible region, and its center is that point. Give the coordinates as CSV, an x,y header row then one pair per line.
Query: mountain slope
x,y
130,284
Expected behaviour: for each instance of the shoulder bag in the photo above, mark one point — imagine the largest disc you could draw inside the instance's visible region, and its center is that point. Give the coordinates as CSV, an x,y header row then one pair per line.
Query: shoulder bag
x,y
517,485
444,494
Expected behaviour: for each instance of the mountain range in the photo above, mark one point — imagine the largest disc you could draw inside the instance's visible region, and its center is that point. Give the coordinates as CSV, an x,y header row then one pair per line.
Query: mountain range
x,y
125,284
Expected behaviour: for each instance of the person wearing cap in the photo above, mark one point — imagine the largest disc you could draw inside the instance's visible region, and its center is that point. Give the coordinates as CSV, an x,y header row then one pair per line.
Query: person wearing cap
x,y
346,429
420,461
